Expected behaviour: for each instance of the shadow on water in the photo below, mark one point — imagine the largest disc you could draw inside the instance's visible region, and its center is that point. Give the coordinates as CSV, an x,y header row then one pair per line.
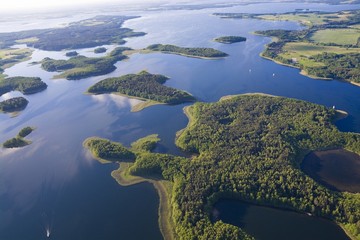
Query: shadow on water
x,y
266,223
336,169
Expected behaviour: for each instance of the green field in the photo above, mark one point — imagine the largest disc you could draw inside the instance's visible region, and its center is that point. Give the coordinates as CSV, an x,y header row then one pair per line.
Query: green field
x,y
11,56
300,52
308,19
342,36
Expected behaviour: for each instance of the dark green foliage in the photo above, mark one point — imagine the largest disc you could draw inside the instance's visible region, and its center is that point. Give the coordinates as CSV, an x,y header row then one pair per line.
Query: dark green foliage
x,y
26,85
25,131
97,31
158,165
230,39
100,50
284,35
236,15
82,67
19,140
142,85
337,66
249,148
254,156
193,52
146,144
15,143
108,150
72,54
13,104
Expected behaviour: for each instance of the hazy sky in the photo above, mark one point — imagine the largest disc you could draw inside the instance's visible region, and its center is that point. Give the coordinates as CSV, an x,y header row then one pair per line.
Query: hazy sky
x,y
13,5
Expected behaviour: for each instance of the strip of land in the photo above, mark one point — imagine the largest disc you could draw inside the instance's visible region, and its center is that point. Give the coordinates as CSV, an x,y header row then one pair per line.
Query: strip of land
x,y
205,53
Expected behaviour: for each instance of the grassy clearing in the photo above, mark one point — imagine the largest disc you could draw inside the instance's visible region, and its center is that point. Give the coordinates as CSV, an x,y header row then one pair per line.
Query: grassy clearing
x,y
357,26
11,52
27,40
11,56
345,36
299,52
142,105
308,19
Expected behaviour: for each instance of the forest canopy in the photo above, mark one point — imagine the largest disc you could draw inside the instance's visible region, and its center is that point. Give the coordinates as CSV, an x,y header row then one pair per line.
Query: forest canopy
x,y
142,85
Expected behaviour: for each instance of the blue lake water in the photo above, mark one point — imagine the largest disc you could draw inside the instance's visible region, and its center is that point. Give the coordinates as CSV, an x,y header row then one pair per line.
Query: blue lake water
x,y
54,182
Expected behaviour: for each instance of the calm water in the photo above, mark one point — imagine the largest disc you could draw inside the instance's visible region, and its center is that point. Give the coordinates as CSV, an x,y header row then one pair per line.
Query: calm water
x,y
54,182
268,223
338,169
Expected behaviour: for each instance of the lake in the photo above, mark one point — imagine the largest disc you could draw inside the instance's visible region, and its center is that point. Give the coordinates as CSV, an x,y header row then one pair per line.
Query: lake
x,y
53,182
337,169
266,223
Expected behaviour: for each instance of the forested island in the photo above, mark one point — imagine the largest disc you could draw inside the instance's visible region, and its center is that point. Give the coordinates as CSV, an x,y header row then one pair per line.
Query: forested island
x,y
13,104
329,48
79,67
25,85
189,52
71,54
248,148
230,39
19,140
100,50
97,31
143,85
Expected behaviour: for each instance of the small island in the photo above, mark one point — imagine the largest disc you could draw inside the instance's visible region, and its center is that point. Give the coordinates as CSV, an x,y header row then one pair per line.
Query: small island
x,y
19,141
80,67
145,86
25,85
13,105
71,54
230,39
206,53
100,50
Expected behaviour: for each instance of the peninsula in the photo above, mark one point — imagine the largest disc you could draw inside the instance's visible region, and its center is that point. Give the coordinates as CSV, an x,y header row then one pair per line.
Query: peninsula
x,y
206,53
145,86
248,148
317,50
